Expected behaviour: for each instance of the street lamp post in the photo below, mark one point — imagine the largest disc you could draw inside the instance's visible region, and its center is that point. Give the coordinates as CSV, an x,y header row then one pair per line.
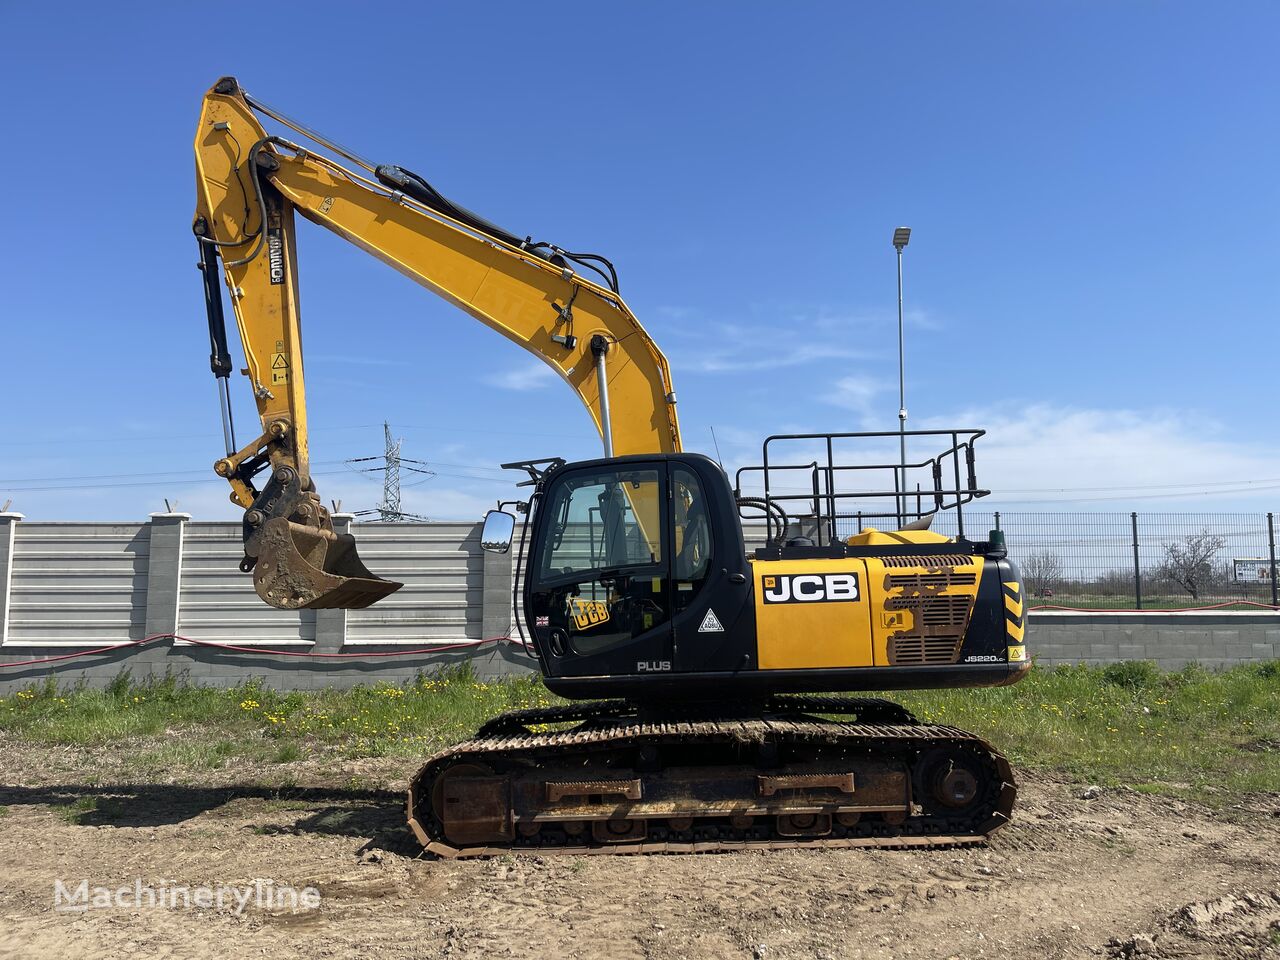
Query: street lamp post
x,y
901,237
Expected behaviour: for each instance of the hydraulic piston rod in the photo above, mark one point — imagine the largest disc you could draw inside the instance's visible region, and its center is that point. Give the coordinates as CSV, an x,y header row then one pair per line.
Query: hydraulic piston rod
x,y
599,350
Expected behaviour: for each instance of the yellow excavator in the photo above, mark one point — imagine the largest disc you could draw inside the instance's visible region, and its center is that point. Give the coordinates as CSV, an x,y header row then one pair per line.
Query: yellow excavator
x,y
719,727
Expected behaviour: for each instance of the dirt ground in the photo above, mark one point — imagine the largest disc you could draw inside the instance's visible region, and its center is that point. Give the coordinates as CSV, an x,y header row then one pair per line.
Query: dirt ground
x,y
1081,873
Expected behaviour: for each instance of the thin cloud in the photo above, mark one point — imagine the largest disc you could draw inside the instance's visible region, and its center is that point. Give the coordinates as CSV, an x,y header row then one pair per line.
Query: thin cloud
x,y
703,345
1054,458
744,348
882,322
854,393
535,375
357,361
767,357
1067,458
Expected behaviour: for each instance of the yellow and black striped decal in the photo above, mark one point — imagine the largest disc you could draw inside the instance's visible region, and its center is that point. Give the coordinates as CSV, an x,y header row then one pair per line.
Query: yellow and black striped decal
x,y
1015,620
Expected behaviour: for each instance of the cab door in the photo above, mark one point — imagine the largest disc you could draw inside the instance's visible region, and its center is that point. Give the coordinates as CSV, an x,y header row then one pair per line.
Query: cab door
x,y
712,616
597,597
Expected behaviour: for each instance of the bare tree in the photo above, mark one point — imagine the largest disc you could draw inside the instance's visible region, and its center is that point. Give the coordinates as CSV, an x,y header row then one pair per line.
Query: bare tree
x,y
1040,571
1189,562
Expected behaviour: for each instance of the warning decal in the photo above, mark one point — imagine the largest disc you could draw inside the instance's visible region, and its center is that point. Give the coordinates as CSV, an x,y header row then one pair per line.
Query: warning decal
x,y
711,623
279,368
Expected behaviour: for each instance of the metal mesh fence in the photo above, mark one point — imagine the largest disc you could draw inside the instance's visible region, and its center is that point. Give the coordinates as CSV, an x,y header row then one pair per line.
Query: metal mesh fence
x,y
828,487
1135,560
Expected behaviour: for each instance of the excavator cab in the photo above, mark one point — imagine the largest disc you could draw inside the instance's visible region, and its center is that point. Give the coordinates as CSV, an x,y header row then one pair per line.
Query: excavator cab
x,y
639,584
637,568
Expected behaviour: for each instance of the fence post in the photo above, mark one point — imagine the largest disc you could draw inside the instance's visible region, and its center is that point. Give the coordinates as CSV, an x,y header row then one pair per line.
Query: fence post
x,y
1137,569
495,593
8,524
331,624
1271,545
496,613
164,572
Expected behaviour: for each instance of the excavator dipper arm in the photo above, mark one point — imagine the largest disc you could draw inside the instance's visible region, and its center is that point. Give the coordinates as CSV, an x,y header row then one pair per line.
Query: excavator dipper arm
x,y
249,185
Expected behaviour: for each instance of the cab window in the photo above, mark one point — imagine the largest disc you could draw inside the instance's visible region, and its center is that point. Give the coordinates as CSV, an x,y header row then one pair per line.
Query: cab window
x,y
692,526
608,521
691,544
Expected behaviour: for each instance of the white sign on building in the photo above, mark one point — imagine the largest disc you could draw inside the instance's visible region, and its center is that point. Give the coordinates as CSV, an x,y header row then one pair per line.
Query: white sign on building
x,y
1253,570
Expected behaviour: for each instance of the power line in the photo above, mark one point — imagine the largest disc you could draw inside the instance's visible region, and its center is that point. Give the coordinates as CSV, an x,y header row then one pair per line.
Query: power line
x,y
1147,486
215,439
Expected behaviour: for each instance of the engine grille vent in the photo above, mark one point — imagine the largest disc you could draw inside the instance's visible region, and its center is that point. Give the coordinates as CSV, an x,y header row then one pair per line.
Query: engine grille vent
x,y
929,582
938,625
923,650
945,560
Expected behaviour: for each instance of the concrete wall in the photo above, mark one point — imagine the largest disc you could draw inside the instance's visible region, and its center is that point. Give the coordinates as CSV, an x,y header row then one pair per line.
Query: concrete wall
x,y
69,587
1216,639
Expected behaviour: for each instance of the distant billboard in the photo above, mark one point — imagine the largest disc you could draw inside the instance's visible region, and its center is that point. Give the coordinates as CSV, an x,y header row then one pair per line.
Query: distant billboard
x,y
1253,570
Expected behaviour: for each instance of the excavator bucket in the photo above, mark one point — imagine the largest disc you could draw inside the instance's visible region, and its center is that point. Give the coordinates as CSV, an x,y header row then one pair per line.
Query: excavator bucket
x,y
301,567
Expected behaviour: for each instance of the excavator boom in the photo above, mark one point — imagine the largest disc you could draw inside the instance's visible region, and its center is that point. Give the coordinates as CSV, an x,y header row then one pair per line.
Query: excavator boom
x,y
249,186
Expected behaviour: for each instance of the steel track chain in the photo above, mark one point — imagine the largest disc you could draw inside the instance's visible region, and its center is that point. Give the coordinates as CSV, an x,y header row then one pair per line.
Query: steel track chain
x,y
497,741
867,709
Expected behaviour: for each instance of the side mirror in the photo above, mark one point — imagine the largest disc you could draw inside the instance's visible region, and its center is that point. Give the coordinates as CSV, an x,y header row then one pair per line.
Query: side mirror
x,y
499,528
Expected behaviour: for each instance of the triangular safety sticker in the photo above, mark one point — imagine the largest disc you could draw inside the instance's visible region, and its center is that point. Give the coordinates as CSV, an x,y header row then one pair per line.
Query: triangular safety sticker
x,y
711,623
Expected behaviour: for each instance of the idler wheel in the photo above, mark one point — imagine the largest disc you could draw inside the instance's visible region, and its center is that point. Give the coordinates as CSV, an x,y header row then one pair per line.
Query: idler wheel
x,y
956,787
949,781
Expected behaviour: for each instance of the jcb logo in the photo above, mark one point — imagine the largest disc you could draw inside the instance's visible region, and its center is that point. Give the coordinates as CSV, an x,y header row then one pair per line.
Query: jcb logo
x,y
588,613
810,587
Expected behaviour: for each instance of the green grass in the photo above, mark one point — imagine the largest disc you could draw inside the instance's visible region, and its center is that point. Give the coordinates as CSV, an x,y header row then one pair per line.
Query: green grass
x,y
75,812
1209,735
253,720
1193,732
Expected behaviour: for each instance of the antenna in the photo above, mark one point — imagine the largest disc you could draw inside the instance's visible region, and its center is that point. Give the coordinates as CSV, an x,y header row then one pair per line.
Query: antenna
x,y
717,446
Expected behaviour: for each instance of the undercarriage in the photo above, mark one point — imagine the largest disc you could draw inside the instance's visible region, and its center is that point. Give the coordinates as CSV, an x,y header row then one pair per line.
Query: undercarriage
x,y
793,771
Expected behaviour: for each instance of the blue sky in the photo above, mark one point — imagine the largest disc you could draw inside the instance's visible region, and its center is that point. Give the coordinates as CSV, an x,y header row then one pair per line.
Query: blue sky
x,y
1092,275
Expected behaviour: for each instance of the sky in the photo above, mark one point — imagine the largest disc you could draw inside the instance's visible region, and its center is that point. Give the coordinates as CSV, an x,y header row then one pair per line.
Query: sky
x,y
1092,274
